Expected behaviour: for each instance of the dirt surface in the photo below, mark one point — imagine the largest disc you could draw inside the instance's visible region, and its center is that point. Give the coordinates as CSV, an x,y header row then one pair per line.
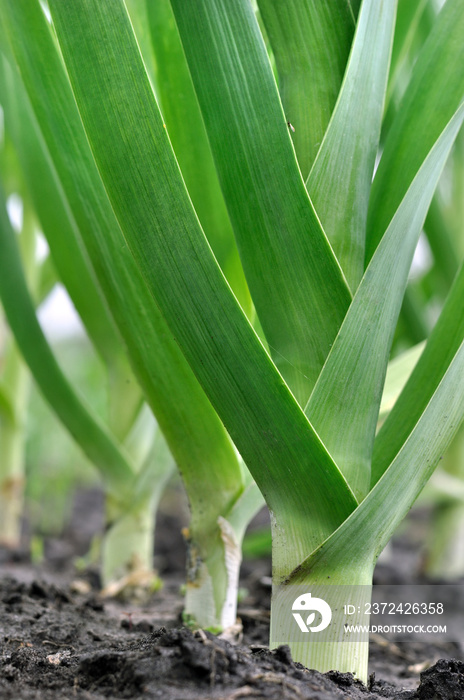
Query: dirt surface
x,y
59,639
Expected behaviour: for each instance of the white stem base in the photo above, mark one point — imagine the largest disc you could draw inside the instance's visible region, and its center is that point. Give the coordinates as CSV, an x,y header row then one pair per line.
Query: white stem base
x,y
212,584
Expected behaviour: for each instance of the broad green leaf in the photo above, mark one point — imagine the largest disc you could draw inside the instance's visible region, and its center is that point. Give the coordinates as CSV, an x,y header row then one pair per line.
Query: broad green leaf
x,y
366,532
186,130
311,42
423,381
398,372
137,11
195,435
433,95
141,176
340,180
296,284
85,428
344,405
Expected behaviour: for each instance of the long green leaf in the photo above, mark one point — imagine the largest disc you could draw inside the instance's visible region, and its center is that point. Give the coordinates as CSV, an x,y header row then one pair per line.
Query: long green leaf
x,y
414,22
423,381
311,42
135,159
91,435
445,248
297,286
366,532
186,130
344,405
433,95
340,180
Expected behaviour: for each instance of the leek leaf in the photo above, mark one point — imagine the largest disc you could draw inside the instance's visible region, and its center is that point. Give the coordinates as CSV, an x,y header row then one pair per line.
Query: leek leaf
x,y
297,286
311,42
366,532
71,261
340,180
184,123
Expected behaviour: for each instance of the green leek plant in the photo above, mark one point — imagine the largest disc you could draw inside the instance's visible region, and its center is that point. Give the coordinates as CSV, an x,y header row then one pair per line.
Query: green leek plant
x,y
326,253
221,492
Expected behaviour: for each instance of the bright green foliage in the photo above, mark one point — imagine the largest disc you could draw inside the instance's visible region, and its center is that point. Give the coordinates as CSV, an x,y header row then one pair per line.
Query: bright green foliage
x,y
212,472
340,180
189,139
288,263
311,42
304,421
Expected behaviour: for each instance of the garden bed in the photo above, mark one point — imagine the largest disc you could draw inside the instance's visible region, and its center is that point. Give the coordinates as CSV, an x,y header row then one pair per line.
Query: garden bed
x,y
60,639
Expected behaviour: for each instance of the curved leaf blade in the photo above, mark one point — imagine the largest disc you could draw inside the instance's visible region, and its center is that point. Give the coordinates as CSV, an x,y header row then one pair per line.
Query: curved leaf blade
x,y
368,529
339,183
186,130
70,260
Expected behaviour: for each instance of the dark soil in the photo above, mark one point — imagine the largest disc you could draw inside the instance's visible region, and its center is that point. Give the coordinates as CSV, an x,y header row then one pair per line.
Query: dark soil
x,y
59,639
